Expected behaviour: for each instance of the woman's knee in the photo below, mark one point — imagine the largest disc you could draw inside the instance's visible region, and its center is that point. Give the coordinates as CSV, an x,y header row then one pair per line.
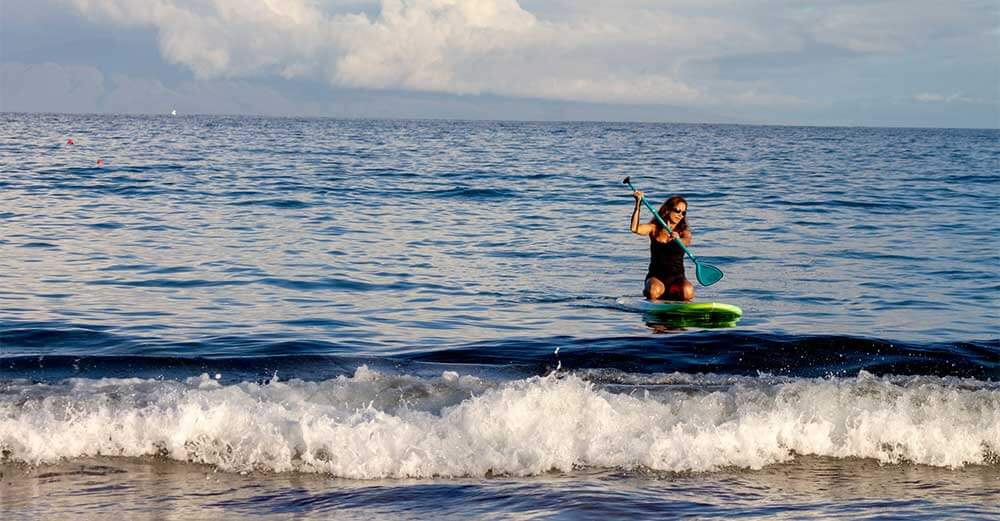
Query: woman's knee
x,y
688,290
654,288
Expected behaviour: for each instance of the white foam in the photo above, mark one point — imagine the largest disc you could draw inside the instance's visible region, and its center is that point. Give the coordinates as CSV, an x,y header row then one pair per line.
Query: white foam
x,y
375,425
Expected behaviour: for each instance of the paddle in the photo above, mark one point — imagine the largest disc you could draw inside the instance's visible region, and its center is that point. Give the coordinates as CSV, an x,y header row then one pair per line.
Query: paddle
x,y
706,273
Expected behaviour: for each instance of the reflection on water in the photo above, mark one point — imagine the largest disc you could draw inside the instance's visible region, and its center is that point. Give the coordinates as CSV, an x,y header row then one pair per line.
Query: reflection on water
x,y
150,488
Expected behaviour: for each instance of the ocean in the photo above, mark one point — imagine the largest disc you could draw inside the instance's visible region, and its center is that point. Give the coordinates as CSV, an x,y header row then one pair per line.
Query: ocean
x,y
205,316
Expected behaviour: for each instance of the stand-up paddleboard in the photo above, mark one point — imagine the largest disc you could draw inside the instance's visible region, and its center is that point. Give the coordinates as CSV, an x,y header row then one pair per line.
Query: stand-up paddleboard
x,y
685,313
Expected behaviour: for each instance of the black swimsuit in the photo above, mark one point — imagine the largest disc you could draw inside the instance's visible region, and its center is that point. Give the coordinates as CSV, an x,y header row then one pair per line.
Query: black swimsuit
x,y
666,261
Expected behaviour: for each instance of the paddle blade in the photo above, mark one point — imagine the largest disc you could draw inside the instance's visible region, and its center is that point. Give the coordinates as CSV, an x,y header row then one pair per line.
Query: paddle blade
x,y
707,274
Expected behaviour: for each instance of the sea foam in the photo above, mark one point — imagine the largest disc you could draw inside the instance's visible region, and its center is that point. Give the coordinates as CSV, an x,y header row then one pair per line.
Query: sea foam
x,y
376,425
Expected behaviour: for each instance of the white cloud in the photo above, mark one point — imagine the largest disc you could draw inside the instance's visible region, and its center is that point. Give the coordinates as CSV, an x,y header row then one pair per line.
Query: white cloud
x,y
448,46
928,97
633,51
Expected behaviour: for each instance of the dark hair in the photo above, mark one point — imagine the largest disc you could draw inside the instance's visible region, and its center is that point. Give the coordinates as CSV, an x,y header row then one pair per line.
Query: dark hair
x,y
664,212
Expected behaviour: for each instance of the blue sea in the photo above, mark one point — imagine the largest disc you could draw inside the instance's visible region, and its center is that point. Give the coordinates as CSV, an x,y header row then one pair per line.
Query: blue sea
x,y
212,317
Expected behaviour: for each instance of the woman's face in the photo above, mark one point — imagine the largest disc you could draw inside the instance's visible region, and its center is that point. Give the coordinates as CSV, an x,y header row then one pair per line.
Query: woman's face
x,y
677,212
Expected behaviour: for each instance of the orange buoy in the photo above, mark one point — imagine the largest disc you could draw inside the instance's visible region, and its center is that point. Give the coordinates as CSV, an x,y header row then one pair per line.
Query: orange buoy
x,y
100,162
70,141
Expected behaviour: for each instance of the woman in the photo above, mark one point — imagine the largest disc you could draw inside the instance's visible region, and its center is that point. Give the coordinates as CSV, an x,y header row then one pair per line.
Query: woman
x,y
665,278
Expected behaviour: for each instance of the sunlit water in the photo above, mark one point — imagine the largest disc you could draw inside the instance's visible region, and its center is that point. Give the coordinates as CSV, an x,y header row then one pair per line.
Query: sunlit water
x,y
306,318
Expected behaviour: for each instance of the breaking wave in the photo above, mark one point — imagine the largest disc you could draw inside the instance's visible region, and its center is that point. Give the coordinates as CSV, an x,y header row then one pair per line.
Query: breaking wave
x,y
375,424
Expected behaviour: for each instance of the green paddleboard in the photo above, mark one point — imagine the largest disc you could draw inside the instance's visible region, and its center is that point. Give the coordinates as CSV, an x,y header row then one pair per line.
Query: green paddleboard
x,y
690,313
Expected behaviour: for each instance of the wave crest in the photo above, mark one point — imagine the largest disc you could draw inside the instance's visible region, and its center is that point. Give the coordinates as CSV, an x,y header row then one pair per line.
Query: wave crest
x,y
376,425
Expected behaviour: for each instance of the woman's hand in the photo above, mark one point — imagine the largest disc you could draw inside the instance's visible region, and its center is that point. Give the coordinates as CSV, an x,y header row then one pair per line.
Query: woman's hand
x,y
638,196
675,237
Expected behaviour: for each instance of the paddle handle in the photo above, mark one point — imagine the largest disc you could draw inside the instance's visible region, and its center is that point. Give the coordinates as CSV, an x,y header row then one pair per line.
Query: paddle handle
x,y
662,222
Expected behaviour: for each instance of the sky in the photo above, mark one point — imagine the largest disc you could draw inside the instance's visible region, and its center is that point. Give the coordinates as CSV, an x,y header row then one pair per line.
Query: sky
x,y
910,63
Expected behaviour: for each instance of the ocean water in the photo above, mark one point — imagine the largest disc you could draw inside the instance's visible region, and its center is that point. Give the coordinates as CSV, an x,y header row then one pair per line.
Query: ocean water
x,y
315,318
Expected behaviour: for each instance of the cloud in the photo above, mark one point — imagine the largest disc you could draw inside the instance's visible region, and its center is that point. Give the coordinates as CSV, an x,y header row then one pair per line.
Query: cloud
x,y
447,46
632,52
928,97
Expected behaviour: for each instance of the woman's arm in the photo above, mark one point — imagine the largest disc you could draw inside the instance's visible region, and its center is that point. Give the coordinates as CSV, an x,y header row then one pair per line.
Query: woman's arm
x,y
634,226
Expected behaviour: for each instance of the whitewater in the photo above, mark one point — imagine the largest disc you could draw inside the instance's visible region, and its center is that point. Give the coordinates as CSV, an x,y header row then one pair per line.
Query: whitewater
x,y
373,425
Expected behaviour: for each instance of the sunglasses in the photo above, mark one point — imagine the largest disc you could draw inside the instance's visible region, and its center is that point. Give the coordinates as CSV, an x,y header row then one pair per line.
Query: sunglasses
x,y
675,210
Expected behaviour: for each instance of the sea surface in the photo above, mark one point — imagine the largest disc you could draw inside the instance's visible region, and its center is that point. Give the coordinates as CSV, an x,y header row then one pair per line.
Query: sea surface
x,y
211,317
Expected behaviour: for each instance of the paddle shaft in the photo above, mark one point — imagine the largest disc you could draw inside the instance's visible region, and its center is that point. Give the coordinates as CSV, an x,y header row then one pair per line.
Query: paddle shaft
x,y
665,225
